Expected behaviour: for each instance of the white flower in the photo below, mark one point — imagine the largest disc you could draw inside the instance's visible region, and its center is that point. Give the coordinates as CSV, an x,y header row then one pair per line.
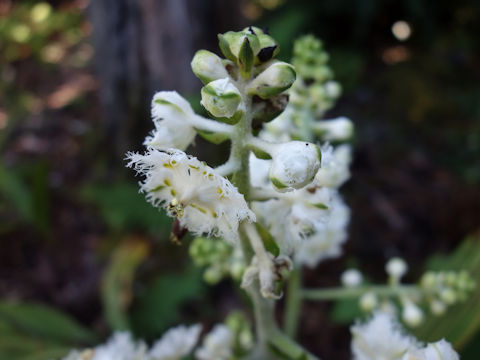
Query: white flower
x,y
191,191
335,166
120,346
381,338
294,165
337,129
259,171
171,114
280,129
302,212
327,236
217,345
351,278
175,343
441,350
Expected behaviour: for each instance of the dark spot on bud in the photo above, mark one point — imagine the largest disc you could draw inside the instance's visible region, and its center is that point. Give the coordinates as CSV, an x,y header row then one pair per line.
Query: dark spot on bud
x,y
251,30
306,144
266,53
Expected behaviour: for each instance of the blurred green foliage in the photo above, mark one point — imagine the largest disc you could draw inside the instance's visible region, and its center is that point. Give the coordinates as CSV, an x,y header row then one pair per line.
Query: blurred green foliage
x,y
38,332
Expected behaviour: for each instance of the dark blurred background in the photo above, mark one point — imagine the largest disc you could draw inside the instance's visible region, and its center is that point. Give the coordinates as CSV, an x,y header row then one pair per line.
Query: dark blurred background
x,y
82,253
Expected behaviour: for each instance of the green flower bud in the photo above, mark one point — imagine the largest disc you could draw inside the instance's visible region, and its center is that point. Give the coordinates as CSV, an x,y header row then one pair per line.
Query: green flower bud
x,y
231,43
268,46
221,98
277,78
208,67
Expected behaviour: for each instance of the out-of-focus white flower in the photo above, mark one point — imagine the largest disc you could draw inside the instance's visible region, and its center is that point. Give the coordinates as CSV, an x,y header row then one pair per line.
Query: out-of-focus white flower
x,y
412,314
303,212
396,268
335,166
191,191
175,343
351,278
280,129
259,171
294,165
440,350
333,89
217,345
120,346
327,237
171,114
337,129
381,338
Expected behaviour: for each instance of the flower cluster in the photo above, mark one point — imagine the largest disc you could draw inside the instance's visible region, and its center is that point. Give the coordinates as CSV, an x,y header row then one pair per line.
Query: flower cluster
x,y
437,290
174,345
223,342
382,337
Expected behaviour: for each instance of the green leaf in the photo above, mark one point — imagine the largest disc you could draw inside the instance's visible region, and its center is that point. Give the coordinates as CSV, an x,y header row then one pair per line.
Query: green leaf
x,y
124,208
215,138
44,322
159,306
16,191
260,154
345,311
268,241
117,282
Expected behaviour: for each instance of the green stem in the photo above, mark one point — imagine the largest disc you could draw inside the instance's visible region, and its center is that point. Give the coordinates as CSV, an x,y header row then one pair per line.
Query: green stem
x,y
268,333
293,302
346,293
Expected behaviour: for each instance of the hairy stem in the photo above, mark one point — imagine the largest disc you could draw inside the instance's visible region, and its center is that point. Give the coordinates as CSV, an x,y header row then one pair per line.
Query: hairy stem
x,y
293,303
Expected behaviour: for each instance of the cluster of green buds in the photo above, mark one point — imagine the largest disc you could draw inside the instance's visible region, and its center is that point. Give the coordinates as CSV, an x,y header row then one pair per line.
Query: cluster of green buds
x,y
437,290
311,96
249,61
446,288
240,327
219,258
316,88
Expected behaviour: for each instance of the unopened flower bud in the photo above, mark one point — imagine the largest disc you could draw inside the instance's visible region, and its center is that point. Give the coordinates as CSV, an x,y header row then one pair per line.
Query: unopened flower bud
x,y
438,307
294,165
221,98
448,295
396,268
208,67
412,315
275,79
351,278
368,302
338,129
333,89
231,43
